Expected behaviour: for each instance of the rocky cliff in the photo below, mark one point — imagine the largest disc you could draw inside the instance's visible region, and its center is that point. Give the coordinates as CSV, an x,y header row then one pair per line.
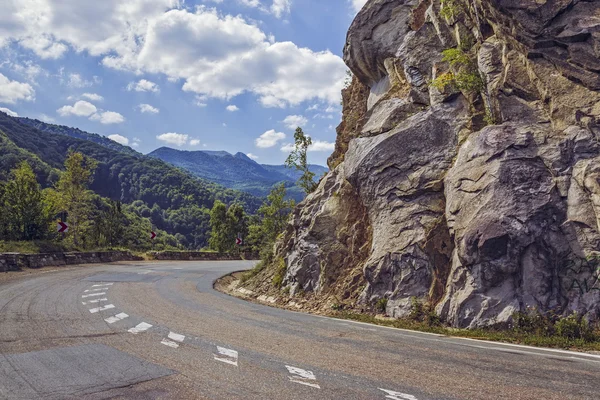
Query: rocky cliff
x,y
467,167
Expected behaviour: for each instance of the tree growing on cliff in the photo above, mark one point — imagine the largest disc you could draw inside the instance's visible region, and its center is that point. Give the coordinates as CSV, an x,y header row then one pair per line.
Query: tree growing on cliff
x,y
298,160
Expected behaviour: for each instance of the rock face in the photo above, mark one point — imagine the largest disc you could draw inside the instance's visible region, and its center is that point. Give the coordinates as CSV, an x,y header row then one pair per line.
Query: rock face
x,y
470,179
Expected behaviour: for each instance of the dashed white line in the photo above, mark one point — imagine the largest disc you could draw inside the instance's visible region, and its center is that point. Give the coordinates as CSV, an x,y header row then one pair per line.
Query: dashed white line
x,y
102,284
227,356
93,301
302,377
172,339
397,395
104,308
116,318
93,294
94,290
141,327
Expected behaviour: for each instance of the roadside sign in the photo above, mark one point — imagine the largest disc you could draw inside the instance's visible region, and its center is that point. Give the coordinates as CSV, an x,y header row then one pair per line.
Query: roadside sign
x,y
239,241
62,227
152,235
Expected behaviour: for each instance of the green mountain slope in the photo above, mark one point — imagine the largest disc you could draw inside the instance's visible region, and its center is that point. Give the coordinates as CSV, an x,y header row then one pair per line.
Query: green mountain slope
x,y
172,199
236,171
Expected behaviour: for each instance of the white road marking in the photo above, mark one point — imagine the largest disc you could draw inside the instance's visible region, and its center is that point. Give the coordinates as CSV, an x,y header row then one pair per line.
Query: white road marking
x,y
106,307
103,284
141,327
116,318
176,337
227,356
93,301
94,290
302,377
144,272
93,294
170,343
397,395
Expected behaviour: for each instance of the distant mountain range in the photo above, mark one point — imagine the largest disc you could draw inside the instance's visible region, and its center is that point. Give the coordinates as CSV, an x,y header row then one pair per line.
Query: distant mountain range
x,y
236,171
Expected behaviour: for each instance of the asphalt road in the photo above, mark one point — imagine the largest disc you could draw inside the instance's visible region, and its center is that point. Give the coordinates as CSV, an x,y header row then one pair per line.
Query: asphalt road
x,y
159,330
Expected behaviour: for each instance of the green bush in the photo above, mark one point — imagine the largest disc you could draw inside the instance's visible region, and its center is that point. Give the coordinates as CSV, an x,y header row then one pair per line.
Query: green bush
x,y
381,305
451,8
574,326
279,273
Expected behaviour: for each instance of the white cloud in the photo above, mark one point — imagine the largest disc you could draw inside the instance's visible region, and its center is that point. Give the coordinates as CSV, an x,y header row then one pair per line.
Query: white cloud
x,y
294,121
195,142
232,108
92,96
136,142
220,56
269,139
27,69
318,145
147,108
108,117
143,85
47,119
252,156
13,91
177,139
81,109
9,112
76,81
119,139
357,5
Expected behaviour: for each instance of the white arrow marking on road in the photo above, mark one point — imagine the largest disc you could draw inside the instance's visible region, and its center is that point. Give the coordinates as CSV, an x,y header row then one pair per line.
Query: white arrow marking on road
x,y
397,395
169,343
94,290
106,307
141,327
303,377
103,284
94,301
93,294
227,356
116,318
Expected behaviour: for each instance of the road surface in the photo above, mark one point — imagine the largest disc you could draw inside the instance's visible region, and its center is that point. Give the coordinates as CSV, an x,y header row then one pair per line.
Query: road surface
x,y
159,330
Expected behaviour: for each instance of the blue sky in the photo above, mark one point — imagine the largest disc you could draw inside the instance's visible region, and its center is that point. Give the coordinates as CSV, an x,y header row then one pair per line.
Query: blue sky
x,y
234,75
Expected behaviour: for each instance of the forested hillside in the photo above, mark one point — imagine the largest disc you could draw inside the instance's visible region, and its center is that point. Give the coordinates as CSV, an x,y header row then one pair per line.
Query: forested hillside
x,y
173,200
237,171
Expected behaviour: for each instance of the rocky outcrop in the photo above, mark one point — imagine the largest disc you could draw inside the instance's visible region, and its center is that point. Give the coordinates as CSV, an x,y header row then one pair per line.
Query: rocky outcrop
x,y
466,179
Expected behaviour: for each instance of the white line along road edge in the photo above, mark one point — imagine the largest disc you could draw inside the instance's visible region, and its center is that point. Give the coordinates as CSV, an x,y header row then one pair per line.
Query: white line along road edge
x,y
172,339
227,356
116,318
397,395
302,377
103,284
141,327
98,309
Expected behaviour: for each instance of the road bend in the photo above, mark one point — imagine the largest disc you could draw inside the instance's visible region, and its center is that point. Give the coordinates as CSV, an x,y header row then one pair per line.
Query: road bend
x,y
152,330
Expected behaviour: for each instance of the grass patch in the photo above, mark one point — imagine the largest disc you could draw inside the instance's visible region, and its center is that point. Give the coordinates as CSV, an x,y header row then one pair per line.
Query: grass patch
x,y
253,272
568,332
279,273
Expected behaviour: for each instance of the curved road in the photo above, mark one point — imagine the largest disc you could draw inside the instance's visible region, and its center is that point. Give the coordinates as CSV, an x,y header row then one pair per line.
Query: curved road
x,y
159,330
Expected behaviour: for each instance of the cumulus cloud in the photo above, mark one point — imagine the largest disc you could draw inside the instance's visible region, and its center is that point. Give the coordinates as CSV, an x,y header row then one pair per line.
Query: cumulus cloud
x,y
81,109
77,81
13,91
147,108
232,108
9,112
318,145
119,139
269,139
295,121
92,96
177,139
195,142
108,117
143,85
357,5
136,142
252,156
216,55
